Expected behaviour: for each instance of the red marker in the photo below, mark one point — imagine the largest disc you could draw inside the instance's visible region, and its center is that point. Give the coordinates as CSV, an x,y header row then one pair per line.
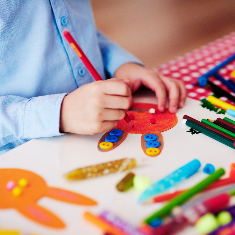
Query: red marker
x,y
88,64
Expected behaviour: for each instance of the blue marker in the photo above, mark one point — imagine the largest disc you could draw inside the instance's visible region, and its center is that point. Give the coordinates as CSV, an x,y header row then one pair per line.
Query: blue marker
x,y
231,112
171,180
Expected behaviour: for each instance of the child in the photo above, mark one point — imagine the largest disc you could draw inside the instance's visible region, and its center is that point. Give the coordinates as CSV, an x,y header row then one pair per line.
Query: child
x,y
45,88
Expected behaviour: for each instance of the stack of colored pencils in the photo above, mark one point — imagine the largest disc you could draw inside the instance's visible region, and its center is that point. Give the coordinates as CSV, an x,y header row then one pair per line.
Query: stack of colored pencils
x,y
222,130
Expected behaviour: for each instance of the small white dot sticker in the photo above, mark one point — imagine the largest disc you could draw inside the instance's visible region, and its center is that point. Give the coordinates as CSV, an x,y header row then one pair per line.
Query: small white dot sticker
x,y
192,94
200,90
176,75
187,78
189,86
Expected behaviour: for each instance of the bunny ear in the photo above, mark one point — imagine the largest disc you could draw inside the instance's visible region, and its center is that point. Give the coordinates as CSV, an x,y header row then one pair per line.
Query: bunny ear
x,y
116,138
41,215
70,197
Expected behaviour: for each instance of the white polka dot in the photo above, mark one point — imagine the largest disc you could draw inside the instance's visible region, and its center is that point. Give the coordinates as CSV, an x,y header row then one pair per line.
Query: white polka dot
x,y
192,67
210,66
189,86
224,53
211,93
223,71
192,94
191,60
230,66
165,71
198,57
176,75
216,56
195,75
184,71
217,82
200,90
223,98
187,78
200,63
202,97
173,68
203,70
182,64
208,59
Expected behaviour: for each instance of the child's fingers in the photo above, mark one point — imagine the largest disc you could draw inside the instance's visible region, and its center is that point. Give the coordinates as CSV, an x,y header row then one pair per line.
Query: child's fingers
x,y
107,125
113,87
183,94
117,102
112,114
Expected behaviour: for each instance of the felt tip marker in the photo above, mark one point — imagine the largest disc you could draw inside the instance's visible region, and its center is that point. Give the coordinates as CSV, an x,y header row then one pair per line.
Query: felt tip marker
x,y
88,64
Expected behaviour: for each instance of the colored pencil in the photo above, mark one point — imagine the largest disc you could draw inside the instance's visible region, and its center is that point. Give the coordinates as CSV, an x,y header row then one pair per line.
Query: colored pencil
x,y
182,198
88,64
229,120
211,134
220,103
217,127
168,196
209,128
225,124
102,224
225,82
231,112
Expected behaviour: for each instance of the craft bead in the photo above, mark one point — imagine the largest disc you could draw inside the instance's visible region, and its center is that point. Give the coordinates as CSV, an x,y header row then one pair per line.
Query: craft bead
x,y
106,145
141,183
111,138
152,151
131,116
150,137
152,144
224,218
207,224
232,170
116,132
209,169
126,183
23,182
152,120
152,110
10,185
16,191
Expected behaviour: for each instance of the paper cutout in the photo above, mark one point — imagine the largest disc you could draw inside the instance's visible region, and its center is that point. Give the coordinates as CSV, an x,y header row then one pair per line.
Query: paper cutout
x,y
37,188
142,125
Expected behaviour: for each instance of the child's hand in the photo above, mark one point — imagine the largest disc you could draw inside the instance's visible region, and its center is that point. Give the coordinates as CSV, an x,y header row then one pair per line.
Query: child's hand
x,y
95,107
160,84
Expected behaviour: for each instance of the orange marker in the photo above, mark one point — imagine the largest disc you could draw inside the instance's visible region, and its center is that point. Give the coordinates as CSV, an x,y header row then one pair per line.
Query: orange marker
x,y
102,224
88,64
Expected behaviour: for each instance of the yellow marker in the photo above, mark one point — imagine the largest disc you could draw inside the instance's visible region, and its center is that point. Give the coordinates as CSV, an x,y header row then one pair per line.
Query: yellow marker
x,y
152,151
9,232
23,182
16,191
233,74
220,103
106,145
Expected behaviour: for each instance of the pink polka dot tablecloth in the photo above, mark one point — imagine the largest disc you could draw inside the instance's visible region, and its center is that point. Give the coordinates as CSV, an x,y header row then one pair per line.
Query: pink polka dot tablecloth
x,y
191,66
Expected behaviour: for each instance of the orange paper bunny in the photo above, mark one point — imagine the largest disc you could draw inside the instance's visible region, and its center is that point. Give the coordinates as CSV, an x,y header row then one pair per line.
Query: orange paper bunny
x,y
26,202
142,119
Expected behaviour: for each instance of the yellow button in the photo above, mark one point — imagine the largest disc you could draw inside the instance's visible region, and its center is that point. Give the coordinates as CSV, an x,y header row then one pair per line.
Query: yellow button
x,y
23,182
17,191
152,151
106,145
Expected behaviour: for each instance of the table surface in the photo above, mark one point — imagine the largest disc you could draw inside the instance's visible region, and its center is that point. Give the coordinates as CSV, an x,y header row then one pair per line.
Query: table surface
x,y
51,158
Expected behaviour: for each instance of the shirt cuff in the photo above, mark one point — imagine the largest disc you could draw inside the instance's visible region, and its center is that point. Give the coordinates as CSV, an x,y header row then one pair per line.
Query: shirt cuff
x,y
42,116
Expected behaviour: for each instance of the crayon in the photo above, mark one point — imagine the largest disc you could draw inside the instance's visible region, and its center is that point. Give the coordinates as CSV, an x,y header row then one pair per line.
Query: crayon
x,y
225,124
220,103
182,198
229,120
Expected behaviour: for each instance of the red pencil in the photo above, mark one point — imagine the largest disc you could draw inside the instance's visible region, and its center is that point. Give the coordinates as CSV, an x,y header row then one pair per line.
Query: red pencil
x,y
88,64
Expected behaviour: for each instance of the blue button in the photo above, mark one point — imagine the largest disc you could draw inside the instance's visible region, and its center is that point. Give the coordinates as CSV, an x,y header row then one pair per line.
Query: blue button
x,y
116,132
81,71
152,144
150,137
111,138
64,20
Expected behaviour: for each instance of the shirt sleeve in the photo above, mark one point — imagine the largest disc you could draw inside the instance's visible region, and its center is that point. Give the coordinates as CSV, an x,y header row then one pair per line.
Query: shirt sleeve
x,y
23,119
113,55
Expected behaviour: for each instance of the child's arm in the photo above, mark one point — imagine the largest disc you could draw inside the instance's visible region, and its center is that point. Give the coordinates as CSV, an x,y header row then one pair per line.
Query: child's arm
x,y
163,86
95,107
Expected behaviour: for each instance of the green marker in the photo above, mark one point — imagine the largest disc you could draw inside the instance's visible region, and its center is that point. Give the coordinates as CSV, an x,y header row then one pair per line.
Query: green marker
x,y
183,197
229,120
218,127
211,134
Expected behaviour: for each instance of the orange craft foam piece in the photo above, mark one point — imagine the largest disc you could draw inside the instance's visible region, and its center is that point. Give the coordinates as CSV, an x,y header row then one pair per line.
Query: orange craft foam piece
x,y
37,188
232,170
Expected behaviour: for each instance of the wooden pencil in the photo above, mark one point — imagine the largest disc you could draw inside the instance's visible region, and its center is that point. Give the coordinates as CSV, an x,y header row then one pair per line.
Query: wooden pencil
x,y
224,124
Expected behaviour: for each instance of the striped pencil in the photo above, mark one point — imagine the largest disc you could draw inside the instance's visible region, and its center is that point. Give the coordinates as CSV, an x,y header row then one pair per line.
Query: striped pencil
x,y
225,124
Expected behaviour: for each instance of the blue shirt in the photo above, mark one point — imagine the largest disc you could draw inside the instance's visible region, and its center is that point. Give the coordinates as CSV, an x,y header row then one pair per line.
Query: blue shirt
x,y
38,67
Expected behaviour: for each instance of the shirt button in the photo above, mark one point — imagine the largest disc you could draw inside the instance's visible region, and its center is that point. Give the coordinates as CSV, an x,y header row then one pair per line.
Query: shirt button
x,y
81,71
64,21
